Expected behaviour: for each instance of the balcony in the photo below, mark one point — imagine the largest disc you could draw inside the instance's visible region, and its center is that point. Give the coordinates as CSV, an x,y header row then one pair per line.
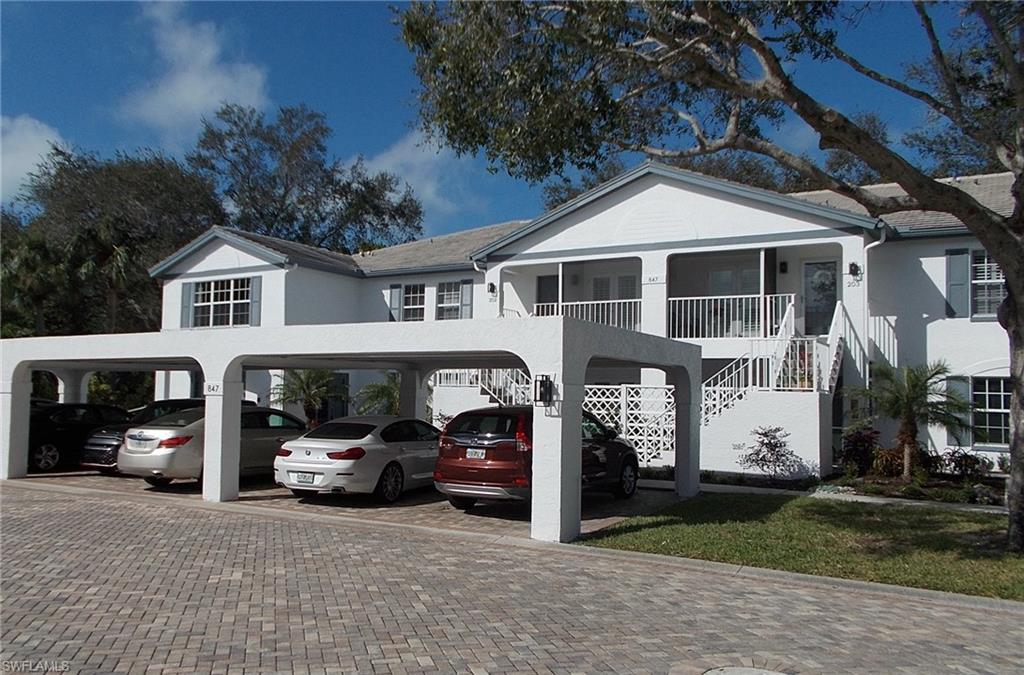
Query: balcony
x,y
727,316
618,313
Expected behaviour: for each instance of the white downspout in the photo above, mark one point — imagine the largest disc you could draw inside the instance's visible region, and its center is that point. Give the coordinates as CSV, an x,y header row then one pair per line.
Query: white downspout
x,y
867,301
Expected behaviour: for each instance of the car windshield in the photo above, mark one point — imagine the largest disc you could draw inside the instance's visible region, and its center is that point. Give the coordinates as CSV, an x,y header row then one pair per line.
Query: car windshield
x,y
180,418
484,424
342,431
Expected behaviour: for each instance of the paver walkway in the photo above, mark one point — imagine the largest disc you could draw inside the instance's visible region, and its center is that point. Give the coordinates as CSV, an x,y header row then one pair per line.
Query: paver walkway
x,y
135,583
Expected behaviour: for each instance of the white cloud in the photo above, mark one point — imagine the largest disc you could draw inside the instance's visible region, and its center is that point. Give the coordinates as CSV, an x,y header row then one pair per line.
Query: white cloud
x,y
440,179
24,140
197,77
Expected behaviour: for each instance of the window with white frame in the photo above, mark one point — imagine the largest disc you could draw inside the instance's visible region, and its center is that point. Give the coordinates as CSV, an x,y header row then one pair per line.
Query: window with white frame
x,y
414,302
225,302
602,288
449,300
991,417
988,286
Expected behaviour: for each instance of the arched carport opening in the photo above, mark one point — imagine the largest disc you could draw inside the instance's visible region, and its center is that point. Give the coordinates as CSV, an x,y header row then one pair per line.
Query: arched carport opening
x,y
25,426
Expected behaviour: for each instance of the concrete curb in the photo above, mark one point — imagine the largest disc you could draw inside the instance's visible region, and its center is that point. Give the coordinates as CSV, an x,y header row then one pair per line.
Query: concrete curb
x,y
667,485
952,600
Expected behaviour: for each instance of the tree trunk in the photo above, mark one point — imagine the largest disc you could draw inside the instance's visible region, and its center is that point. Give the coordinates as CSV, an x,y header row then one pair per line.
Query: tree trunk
x,y
1013,321
908,441
310,413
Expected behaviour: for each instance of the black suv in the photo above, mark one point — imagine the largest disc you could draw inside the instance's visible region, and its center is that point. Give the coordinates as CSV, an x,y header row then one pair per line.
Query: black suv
x,y
100,451
57,431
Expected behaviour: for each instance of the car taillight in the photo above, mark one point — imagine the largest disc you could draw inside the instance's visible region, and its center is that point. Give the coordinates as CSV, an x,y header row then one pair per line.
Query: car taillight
x,y
523,443
283,452
446,443
438,476
174,441
521,481
351,453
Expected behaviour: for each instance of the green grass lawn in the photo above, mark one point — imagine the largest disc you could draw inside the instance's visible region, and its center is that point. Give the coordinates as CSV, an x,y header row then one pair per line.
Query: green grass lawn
x,y
927,548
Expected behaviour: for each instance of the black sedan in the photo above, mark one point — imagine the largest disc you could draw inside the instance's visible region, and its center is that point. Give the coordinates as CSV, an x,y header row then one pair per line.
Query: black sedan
x,y
57,432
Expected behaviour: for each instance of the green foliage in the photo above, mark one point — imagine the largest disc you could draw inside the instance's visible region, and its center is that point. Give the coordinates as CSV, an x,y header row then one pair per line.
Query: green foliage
x,y
76,260
280,182
770,453
858,450
955,551
308,388
380,398
965,464
915,396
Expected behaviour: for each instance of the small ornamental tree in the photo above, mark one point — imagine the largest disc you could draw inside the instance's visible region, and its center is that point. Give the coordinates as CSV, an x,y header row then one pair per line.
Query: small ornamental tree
x,y
770,453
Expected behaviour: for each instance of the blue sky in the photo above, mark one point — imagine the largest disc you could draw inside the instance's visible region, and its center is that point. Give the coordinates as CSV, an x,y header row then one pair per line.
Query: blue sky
x,y
108,76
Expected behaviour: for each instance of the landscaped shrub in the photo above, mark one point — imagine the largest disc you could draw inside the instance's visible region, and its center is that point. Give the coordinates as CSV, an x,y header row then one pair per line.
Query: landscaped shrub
x,y
1003,462
965,464
887,462
858,449
770,453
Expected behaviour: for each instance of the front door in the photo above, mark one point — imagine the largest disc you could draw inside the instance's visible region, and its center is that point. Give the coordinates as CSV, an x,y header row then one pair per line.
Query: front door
x,y
819,296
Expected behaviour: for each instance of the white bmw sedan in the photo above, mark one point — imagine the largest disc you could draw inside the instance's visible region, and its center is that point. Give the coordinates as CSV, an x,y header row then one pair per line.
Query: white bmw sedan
x,y
382,454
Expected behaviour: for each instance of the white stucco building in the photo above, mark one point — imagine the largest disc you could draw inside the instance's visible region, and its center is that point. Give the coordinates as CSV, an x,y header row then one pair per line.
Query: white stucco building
x,y
788,297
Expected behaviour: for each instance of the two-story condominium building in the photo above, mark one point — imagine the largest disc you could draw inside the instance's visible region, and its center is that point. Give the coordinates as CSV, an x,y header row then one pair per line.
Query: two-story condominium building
x,y
790,297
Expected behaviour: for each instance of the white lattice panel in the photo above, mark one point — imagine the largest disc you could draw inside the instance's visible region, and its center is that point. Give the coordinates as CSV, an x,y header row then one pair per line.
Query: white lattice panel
x,y
646,416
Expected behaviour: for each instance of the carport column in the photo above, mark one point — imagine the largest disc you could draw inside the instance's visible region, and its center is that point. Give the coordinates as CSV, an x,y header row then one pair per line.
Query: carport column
x,y
412,394
688,398
221,452
654,294
15,391
557,456
72,385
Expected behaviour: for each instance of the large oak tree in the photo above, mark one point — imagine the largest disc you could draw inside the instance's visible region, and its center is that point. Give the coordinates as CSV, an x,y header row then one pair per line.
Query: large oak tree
x,y
542,86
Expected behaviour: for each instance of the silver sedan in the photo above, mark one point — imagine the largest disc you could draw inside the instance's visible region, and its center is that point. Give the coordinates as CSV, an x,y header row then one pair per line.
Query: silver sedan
x,y
380,454
171,446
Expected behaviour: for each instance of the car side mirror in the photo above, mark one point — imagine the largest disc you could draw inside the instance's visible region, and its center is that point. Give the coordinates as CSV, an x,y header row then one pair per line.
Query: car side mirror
x,y
611,433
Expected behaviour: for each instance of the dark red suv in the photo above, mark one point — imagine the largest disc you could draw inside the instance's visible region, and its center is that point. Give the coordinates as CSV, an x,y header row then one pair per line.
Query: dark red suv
x,y
487,454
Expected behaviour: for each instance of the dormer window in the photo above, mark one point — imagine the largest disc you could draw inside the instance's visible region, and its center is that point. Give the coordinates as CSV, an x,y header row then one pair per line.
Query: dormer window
x,y
221,303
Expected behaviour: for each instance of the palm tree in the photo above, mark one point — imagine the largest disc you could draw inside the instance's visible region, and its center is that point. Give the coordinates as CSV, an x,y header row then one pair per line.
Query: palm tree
x,y
308,388
916,396
380,397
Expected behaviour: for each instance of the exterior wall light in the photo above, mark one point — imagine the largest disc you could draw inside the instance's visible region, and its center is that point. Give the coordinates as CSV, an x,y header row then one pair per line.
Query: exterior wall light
x,y
783,267
854,269
543,390
491,288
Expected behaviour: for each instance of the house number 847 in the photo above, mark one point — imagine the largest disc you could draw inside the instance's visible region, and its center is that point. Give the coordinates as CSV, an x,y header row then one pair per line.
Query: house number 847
x,y
212,387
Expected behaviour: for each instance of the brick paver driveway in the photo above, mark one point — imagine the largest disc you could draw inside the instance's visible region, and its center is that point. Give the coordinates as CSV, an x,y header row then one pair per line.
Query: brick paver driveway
x,y
131,582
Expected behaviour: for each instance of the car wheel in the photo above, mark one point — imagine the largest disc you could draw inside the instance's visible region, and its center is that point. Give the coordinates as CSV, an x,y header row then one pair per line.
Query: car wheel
x,y
462,503
626,487
389,487
304,493
158,481
45,457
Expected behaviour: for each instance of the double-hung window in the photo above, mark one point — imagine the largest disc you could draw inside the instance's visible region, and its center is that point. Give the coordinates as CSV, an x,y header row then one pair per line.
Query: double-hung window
x,y
449,300
988,285
414,302
991,416
224,302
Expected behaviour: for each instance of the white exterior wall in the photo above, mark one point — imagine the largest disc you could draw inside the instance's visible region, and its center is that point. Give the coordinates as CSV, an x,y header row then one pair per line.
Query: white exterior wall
x,y
805,415
909,325
376,292
315,297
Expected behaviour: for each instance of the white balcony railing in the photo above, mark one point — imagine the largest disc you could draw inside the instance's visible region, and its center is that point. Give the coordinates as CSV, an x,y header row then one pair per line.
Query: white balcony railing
x,y
618,313
727,316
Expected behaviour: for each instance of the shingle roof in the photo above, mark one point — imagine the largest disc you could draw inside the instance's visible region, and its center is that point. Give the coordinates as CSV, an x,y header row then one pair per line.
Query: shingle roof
x,y
449,250
301,254
992,190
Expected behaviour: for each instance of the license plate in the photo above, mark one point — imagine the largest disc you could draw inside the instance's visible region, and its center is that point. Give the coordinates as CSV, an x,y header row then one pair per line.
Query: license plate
x,y
476,453
305,478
